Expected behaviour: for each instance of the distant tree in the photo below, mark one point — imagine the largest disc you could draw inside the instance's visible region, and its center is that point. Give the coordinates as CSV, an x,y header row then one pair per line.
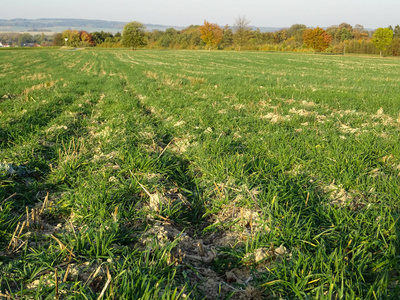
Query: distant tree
x,y
227,37
334,32
153,37
211,34
256,38
190,37
296,31
382,38
396,32
100,37
268,37
317,39
86,39
133,35
345,25
58,39
396,47
168,38
242,31
71,37
9,38
359,32
345,34
25,38
280,36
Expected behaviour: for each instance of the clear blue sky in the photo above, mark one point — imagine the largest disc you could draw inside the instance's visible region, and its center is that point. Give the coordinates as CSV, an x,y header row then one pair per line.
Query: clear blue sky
x,y
278,13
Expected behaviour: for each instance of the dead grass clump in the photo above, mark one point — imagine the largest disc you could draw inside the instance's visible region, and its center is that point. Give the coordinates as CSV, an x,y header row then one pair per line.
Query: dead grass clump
x,y
46,85
214,286
104,133
200,255
347,129
296,170
391,162
235,225
264,103
56,128
151,75
307,103
276,117
72,151
87,67
170,82
102,156
35,223
196,80
36,76
141,97
147,135
239,106
266,255
302,112
290,101
179,123
339,197
385,119
153,148
342,113
321,118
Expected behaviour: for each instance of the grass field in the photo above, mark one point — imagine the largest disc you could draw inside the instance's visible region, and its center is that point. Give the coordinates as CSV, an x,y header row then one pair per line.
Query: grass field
x,y
217,175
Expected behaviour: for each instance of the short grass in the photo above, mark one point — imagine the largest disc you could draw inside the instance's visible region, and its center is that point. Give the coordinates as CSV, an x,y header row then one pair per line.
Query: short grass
x,y
189,174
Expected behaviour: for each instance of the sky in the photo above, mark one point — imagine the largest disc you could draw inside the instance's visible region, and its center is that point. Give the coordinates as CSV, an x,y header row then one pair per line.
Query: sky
x,y
262,13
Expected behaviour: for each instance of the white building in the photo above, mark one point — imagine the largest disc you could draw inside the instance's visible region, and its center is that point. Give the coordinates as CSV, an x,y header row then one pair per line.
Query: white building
x,y
1,45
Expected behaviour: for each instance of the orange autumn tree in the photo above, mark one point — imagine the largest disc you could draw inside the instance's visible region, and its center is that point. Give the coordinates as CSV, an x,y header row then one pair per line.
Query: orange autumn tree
x,y
317,39
211,34
86,38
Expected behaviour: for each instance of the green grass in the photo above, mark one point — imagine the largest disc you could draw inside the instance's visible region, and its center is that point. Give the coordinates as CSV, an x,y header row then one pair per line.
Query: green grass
x,y
160,174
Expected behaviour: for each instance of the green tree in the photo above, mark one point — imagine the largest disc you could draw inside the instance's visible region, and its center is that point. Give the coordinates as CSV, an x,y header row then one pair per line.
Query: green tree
x,y
296,31
396,47
168,38
58,39
25,38
100,37
345,34
227,37
396,32
133,35
382,38
334,32
71,37
242,32
190,37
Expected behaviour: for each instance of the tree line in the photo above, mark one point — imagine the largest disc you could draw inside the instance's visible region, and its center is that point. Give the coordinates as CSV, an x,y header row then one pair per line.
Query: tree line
x,y
342,38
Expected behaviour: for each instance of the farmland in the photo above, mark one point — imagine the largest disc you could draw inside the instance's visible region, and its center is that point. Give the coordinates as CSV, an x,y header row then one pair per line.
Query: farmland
x,y
166,174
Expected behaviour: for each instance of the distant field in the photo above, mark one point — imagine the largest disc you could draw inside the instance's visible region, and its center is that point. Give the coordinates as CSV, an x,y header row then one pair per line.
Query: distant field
x,y
173,174
56,29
